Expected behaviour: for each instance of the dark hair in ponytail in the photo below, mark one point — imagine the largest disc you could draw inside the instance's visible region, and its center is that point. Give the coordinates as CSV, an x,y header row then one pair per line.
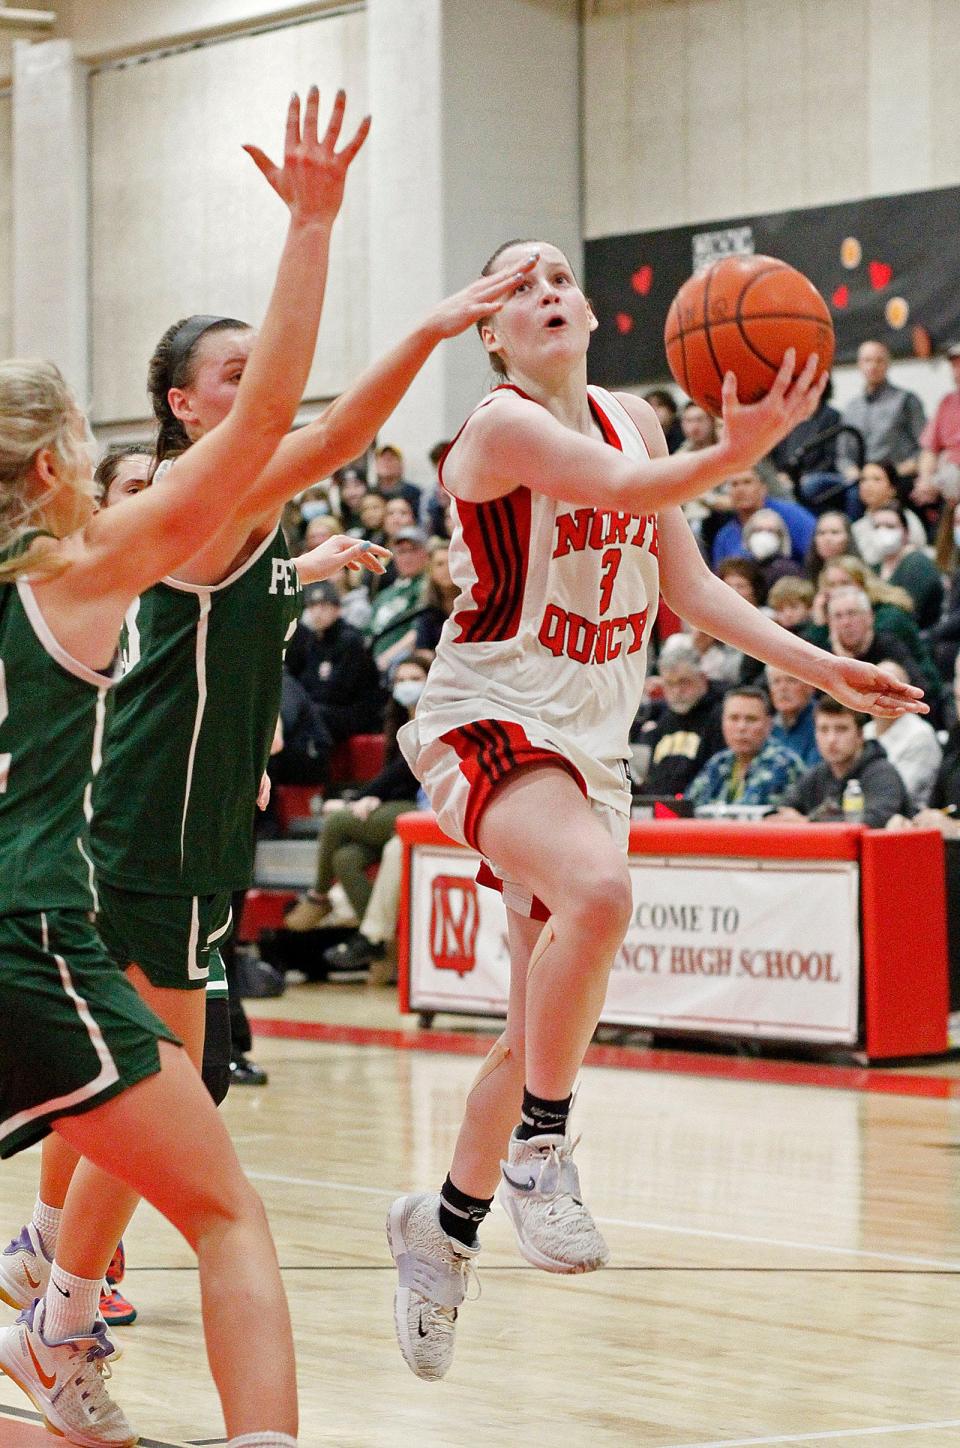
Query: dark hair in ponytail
x,y
172,365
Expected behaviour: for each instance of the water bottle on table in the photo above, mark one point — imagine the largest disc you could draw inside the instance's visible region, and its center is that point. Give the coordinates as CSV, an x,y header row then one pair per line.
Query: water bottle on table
x,y
853,802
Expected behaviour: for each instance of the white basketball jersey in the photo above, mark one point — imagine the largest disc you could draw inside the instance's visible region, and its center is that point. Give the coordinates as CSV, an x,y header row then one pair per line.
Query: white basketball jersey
x,y
550,628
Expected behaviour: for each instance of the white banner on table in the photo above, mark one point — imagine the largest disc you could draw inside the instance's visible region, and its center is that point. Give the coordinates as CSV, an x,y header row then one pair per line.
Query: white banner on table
x,y
740,946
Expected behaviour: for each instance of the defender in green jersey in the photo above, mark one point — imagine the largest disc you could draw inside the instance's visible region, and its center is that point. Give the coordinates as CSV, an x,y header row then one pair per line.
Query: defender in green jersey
x,y
67,578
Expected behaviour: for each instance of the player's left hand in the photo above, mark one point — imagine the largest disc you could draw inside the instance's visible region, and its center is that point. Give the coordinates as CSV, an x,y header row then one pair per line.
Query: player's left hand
x,y
314,173
869,690
480,299
341,552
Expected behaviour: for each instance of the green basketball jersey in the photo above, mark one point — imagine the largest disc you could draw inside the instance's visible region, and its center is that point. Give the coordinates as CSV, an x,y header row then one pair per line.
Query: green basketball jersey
x,y
192,728
53,711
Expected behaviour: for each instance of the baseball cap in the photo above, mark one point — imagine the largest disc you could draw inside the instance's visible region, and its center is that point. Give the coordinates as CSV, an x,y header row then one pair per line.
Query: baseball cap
x,y
412,535
389,447
322,592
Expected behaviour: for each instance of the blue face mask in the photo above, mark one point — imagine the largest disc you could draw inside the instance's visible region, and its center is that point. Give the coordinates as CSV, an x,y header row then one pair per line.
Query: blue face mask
x,y
312,508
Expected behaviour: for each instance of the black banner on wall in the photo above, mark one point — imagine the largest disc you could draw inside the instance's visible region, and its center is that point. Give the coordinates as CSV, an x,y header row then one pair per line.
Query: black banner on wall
x,y
889,268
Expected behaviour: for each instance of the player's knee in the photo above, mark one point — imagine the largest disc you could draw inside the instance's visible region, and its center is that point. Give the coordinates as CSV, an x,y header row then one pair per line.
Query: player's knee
x,y
603,901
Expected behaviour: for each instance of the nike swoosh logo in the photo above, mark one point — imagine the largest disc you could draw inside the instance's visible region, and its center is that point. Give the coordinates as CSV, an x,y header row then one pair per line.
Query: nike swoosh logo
x,y
420,1331
26,1273
527,1186
45,1380
62,1290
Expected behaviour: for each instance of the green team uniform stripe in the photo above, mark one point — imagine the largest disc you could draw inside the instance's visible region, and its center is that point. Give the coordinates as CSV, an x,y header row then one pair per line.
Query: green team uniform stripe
x,y
191,730
53,714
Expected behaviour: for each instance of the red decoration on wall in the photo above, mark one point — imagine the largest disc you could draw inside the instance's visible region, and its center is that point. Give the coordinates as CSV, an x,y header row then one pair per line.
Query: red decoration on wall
x,y
624,323
841,296
642,280
881,275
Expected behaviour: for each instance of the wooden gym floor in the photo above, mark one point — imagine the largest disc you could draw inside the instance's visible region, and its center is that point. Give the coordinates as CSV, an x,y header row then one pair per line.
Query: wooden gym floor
x,y
785,1258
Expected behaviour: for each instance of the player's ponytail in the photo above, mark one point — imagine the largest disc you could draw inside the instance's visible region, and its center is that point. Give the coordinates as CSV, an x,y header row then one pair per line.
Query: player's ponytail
x,y
37,411
173,365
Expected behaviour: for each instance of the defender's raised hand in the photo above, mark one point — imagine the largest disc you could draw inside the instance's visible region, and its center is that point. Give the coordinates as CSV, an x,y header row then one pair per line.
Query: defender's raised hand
x,y
480,299
314,172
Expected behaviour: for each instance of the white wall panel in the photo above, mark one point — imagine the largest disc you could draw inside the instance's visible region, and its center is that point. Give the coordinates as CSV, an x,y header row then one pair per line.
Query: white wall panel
x,y
111,27
700,109
181,220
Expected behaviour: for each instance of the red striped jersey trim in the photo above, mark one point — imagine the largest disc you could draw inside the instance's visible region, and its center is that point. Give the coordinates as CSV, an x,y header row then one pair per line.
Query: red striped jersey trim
x,y
497,536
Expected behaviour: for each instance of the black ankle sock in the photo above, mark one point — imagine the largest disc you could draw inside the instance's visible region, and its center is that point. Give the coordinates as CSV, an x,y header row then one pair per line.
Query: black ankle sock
x,y
460,1214
539,1117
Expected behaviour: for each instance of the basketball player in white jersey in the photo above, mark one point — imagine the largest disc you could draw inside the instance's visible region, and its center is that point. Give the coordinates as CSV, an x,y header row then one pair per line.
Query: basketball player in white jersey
x,y
568,527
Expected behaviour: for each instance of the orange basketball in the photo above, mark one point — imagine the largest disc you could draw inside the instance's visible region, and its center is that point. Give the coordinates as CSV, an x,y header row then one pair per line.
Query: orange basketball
x,y
740,315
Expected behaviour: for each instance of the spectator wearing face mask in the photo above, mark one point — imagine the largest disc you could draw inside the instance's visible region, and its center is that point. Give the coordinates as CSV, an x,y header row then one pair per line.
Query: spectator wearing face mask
x,y
748,494
766,539
905,566
670,750
355,832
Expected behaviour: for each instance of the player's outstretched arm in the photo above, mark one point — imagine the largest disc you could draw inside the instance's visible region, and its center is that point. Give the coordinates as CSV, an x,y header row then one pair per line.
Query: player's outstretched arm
x,y
706,602
519,443
123,550
349,425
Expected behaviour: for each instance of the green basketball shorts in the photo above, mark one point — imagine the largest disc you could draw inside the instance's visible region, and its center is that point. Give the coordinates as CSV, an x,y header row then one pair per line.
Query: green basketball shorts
x,y
173,938
73,1031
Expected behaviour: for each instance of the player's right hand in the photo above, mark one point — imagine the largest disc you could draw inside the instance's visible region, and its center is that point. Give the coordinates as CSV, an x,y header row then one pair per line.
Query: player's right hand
x,y
751,431
314,172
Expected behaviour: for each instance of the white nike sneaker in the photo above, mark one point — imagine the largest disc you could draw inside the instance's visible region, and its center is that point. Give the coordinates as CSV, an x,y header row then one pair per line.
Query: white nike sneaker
x,y
24,1269
65,1381
540,1193
434,1272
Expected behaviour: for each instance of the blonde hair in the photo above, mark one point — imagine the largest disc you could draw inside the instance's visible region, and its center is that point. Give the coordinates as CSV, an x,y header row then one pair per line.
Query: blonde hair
x,y
877,590
37,411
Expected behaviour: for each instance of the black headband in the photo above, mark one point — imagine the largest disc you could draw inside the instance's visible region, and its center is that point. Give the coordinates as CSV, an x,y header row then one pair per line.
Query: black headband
x,y
184,339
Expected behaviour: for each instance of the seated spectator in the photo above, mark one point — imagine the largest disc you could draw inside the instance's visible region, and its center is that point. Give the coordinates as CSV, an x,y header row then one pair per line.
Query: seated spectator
x,y
853,635
753,769
905,566
767,541
806,459
303,742
698,427
720,662
707,513
892,617
377,932
392,629
943,806
943,637
793,723
330,659
790,601
371,509
349,487
355,832
746,577
435,503
748,494
910,744
846,755
832,538
938,473
670,750
664,405
388,462
880,484
438,599
889,419
320,527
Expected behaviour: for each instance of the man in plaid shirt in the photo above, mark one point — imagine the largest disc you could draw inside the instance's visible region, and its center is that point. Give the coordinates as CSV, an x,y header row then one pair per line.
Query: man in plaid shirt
x,y
753,769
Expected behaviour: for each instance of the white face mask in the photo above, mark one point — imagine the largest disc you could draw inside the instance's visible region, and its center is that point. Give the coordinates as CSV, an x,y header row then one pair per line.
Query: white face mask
x,y
888,541
763,544
407,692
312,508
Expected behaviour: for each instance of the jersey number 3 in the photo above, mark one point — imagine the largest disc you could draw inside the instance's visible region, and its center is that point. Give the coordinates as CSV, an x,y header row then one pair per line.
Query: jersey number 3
x,y
4,711
610,563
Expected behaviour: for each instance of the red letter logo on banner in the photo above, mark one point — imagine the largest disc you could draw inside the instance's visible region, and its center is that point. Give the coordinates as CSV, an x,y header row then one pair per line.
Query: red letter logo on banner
x,y
454,918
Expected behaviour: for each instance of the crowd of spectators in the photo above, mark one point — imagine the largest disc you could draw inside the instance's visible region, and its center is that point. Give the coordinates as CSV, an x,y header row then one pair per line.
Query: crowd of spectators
x,y
849,535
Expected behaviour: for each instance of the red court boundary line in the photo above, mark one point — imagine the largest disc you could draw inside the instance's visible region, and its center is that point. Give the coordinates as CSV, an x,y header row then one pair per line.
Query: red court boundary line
x,y
632,1058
